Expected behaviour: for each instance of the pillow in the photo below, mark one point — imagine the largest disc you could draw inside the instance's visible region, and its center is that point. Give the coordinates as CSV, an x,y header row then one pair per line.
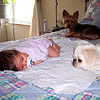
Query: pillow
x,y
90,11
96,18
88,18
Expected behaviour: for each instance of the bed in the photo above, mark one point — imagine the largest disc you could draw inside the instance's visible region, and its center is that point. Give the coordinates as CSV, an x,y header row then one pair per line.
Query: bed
x,y
56,78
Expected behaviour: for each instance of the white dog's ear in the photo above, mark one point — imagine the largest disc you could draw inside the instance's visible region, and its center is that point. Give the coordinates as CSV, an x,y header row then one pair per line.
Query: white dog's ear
x,y
75,47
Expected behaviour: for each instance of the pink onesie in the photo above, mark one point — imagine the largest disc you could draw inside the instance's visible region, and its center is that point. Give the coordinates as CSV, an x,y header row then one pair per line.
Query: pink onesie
x,y
37,49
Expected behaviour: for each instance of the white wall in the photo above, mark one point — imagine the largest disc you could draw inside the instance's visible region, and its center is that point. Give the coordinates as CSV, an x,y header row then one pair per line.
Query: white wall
x,y
48,9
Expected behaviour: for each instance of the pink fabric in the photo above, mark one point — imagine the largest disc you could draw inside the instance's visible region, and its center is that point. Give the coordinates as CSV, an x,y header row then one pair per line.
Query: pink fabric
x,y
37,49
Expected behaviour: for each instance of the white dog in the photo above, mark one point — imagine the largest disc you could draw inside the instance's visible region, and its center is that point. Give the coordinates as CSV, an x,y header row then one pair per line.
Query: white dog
x,y
87,57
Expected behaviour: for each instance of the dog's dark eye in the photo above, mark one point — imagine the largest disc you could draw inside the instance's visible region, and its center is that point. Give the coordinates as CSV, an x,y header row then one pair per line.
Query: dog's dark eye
x,y
67,21
72,21
79,60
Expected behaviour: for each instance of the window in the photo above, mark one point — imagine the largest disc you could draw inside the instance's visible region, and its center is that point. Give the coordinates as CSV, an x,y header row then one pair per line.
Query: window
x,y
23,11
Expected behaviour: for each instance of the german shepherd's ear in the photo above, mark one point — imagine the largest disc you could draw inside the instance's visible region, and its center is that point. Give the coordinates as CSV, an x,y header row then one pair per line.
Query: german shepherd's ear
x,y
76,14
65,13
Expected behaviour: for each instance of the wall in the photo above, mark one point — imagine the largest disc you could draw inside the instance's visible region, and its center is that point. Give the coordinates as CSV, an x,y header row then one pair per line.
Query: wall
x,y
20,31
48,9
48,12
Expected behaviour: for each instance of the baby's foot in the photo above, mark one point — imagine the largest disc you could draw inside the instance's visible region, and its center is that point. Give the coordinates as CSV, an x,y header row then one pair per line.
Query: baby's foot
x,y
58,47
54,44
50,39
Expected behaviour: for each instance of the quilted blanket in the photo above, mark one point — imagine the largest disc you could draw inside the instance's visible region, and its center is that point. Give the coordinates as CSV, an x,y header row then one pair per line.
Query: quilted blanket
x,y
12,88
17,88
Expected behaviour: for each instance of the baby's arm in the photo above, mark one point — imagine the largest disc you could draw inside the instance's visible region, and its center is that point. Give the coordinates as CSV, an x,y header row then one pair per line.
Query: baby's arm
x,y
39,61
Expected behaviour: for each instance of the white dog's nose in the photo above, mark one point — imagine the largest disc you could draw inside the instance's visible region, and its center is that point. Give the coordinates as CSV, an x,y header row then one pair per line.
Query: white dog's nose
x,y
74,60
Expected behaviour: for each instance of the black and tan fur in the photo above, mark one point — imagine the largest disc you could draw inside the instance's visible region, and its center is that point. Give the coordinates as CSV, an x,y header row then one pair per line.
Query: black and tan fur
x,y
82,31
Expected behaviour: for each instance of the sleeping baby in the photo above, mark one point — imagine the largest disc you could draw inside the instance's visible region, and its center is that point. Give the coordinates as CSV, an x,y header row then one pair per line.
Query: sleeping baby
x,y
27,54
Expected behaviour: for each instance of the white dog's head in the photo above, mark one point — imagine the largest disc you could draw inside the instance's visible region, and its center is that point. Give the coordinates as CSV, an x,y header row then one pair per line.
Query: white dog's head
x,y
86,56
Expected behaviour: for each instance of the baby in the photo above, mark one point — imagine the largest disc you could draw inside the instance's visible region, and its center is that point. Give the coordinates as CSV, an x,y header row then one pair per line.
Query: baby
x,y
28,53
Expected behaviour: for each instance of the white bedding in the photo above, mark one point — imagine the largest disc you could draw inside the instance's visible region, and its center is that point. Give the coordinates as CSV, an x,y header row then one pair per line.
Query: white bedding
x,y
59,73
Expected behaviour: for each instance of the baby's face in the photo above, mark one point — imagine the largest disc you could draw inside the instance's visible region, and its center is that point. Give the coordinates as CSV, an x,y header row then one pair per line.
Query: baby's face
x,y
21,61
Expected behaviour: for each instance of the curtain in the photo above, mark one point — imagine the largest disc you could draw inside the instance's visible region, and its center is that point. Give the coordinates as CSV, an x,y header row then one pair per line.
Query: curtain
x,y
36,26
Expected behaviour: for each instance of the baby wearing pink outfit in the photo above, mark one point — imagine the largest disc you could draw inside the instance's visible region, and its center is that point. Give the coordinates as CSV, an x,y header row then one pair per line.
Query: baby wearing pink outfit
x,y
28,53
37,49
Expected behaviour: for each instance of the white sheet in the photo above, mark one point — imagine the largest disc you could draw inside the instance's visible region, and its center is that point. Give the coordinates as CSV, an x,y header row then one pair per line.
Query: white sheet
x,y
58,73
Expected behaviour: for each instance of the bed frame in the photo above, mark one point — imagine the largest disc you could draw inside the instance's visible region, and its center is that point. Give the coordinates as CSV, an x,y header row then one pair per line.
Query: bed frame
x,y
86,4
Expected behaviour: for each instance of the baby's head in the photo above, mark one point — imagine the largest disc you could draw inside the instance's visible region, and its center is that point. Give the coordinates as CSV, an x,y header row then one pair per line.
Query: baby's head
x,y
7,58
13,60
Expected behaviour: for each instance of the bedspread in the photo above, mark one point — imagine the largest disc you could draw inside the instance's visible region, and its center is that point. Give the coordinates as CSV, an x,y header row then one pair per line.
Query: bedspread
x,y
12,88
54,79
